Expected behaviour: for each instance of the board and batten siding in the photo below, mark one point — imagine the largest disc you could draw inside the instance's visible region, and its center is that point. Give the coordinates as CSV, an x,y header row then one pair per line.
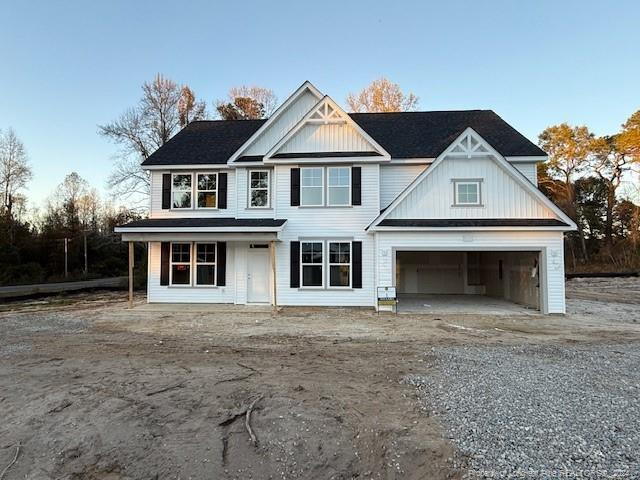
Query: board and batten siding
x,y
156,210
285,122
549,243
394,179
327,223
180,294
501,195
326,138
529,170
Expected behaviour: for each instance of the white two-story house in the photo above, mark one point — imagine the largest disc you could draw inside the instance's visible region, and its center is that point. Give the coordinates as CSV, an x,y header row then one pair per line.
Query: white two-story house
x,y
315,206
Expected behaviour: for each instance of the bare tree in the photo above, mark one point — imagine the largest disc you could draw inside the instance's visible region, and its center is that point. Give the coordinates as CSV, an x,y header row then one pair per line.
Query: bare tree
x,y
15,171
382,95
262,95
247,103
188,108
141,130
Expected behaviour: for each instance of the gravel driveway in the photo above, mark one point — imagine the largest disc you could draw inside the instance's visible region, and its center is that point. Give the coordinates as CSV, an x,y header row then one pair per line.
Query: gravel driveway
x,y
539,411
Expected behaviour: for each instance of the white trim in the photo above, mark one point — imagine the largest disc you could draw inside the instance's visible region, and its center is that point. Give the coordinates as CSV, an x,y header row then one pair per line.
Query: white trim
x,y
321,265
329,265
322,186
328,187
190,207
177,166
172,263
196,229
305,86
411,161
249,188
462,181
324,160
196,264
197,190
459,229
327,101
510,169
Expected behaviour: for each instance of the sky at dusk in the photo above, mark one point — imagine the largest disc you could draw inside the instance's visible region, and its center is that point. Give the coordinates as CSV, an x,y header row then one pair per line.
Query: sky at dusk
x,y
69,66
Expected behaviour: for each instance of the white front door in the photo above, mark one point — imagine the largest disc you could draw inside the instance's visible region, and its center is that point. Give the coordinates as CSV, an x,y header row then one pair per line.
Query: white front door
x,y
258,285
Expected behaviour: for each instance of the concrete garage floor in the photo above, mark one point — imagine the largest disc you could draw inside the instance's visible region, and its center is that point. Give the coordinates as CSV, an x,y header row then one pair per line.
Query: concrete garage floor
x,y
460,304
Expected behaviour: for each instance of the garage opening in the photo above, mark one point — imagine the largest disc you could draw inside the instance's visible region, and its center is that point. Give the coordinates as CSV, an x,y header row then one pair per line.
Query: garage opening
x,y
467,282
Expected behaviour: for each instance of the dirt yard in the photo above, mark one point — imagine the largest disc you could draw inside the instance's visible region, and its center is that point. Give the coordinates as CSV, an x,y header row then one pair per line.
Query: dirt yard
x,y
92,390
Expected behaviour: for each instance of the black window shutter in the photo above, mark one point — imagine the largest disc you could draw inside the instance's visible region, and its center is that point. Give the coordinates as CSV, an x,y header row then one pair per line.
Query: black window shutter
x,y
356,186
222,190
357,264
221,264
295,187
166,191
294,265
165,251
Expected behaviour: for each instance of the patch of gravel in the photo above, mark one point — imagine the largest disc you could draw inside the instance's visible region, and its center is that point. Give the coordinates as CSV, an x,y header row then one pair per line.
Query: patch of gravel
x,y
539,411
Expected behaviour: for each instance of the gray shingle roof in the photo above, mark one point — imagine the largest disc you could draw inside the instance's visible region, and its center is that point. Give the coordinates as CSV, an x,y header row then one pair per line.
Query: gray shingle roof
x,y
402,134
204,222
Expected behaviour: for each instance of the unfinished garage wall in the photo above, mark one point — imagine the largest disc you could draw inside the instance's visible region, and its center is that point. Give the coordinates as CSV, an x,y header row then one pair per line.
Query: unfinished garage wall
x,y
430,272
513,276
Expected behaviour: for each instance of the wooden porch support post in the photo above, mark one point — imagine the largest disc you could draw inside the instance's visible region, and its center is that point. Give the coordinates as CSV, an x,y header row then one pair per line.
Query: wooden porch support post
x,y
130,274
272,248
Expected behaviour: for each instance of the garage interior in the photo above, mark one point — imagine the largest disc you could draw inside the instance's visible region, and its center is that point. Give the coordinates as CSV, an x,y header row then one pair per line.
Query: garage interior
x,y
468,282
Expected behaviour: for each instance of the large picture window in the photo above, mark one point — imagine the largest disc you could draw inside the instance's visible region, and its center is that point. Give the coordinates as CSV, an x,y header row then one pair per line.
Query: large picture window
x,y
467,192
312,187
205,263
181,190
207,190
259,188
311,261
339,264
339,186
180,264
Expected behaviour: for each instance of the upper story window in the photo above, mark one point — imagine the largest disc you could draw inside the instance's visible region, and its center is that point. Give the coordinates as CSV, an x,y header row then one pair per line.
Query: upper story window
x,y
259,189
467,192
181,190
339,186
207,190
312,187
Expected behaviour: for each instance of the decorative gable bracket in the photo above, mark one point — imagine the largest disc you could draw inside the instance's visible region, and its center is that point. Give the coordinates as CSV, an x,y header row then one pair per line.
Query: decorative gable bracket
x,y
468,145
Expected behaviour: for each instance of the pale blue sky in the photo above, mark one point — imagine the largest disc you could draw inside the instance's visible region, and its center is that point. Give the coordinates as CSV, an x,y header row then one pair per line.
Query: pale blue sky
x,y
67,66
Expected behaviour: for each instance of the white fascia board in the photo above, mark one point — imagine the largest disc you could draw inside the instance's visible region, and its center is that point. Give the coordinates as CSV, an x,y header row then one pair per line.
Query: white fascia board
x,y
209,166
464,229
527,159
323,160
197,229
307,85
507,166
246,164
411,161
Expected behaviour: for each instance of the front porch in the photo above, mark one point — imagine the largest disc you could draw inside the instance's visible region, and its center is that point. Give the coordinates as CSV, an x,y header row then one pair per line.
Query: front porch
x,y
207,260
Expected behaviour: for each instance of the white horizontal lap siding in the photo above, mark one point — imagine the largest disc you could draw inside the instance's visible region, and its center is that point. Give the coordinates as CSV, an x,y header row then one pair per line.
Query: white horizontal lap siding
x,y
156,198
327,223
550,243
502,196
529,170
243,195
394,179
282,124
327,138
157,293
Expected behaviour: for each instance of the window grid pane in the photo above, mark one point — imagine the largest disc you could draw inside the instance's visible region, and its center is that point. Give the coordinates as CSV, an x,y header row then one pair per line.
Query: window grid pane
x,y
339,176
467,193
182,183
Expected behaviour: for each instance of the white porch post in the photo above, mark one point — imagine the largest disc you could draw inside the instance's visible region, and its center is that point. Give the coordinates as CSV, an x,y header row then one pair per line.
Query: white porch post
x,y
130,274
272,251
